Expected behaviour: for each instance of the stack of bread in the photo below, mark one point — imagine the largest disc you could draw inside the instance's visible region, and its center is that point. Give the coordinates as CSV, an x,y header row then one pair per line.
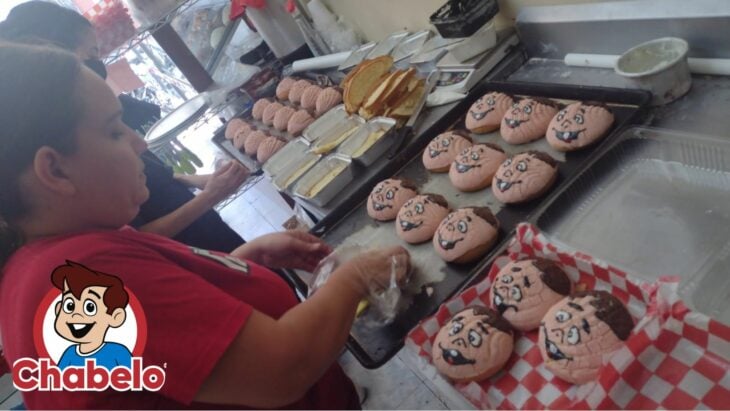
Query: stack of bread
x,y
371,89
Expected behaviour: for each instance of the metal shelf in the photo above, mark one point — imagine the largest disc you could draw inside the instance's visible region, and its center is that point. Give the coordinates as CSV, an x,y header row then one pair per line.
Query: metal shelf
x,y
146,31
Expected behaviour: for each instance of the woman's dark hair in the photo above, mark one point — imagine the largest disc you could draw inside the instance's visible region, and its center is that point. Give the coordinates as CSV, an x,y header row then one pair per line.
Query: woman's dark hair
x,y
40,21
38,107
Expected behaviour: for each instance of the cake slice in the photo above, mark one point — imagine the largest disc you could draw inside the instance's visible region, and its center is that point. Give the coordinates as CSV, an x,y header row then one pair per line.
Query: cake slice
x,y
364,81
406,105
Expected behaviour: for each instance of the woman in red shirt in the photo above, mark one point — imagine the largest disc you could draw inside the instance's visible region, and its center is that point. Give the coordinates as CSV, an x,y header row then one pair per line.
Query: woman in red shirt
x,y
227,332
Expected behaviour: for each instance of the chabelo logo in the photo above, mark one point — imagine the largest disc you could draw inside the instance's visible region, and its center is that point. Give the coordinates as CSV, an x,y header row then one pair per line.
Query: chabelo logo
x,y
89,333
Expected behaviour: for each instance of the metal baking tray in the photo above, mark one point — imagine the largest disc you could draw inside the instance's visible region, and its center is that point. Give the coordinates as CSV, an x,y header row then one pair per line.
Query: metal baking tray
x,y
357,56
294,169
352,145
226,146
387,45
292,151
655,203
324,124
340,169
330,134
352,225
410,45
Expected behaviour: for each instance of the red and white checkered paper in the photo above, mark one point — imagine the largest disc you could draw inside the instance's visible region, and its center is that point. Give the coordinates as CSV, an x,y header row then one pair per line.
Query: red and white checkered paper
x,y
675,358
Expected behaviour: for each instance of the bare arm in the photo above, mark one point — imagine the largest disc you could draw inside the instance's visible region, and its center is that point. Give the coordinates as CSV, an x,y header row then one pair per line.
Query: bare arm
x,y
272,363
197,181
218,186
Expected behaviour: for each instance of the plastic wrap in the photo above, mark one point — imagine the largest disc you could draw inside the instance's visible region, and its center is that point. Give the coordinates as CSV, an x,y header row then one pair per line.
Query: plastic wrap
x,y
384,300
674,357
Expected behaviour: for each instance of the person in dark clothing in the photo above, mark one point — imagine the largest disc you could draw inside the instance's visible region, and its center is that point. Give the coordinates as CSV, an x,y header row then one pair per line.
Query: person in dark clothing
x,y
172,209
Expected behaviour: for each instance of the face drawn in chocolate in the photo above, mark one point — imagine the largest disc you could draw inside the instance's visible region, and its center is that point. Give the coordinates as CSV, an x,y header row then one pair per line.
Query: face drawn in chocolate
x,y
472,158
442,150
523,291
577,331
524,176
418,218
388,197
485,105
476,342
464,230
579,124
527,120
520,113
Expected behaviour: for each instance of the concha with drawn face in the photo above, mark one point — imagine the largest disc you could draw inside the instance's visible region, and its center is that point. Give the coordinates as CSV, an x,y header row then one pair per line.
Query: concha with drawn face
x,y
475,344
474,168
528,120
419,217
388,197
524,290
466,234
579,125
443,149
486,114
524,177
579,330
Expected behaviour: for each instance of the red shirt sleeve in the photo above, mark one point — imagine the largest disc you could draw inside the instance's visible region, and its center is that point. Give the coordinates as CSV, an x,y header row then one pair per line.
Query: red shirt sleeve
x,y
190,322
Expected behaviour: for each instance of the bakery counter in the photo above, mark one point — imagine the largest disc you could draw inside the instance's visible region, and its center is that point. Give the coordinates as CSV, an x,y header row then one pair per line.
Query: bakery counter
x,y
703,110
431,121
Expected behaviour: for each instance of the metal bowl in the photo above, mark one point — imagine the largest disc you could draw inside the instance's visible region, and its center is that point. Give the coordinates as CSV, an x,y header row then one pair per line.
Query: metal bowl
x,y
659,66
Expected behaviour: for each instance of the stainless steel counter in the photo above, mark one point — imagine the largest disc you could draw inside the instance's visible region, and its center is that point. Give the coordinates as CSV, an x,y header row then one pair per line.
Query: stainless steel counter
x,y
704,110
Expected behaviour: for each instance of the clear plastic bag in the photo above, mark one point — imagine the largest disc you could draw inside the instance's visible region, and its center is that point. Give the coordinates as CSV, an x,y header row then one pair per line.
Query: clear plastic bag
x,y
384,301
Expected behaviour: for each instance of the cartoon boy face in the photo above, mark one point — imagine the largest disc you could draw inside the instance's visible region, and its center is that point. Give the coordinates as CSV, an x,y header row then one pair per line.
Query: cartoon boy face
x,y
418,218
578,125
86,320
578,330
388,197
527,120
523,291
474,344
524,177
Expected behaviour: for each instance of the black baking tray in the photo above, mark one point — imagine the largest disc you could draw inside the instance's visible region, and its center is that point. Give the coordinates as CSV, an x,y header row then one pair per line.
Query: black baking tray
x,y
373,346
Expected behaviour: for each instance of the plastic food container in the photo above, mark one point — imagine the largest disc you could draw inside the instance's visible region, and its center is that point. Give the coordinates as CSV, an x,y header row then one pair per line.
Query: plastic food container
x,y
370,141
324,181
659,66
462,18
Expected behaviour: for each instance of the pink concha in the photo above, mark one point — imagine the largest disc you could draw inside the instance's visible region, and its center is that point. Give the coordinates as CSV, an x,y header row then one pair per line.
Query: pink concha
x,y
282,90
298,122
233,126
327,99
268,148
297,89
309,97
281,119
258,108
253,141
270,112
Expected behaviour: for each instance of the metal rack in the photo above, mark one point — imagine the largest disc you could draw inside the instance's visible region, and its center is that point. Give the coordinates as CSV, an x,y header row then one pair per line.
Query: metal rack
x,y
146,31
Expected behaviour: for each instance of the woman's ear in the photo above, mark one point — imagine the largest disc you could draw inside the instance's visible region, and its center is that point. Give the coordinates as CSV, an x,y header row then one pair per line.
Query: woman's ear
x,y
48,167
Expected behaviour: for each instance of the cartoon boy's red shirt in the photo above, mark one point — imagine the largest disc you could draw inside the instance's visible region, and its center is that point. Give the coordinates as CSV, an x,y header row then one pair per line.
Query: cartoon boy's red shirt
x,y
195,304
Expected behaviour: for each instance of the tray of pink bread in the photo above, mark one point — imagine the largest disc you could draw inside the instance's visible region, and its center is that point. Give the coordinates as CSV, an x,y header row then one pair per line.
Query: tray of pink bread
x,y
508,147
274,121
551,327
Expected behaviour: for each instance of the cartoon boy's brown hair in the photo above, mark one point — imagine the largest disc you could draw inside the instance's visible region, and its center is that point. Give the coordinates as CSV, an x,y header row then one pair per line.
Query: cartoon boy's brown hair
x,y
79,277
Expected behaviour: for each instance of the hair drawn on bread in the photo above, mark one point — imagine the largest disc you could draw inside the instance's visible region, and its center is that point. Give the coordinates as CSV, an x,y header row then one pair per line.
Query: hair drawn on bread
x,y
523,109
443,142
570,326
468,330
471,157
511,288
385,192
574,120
415,209
517,170
458,225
